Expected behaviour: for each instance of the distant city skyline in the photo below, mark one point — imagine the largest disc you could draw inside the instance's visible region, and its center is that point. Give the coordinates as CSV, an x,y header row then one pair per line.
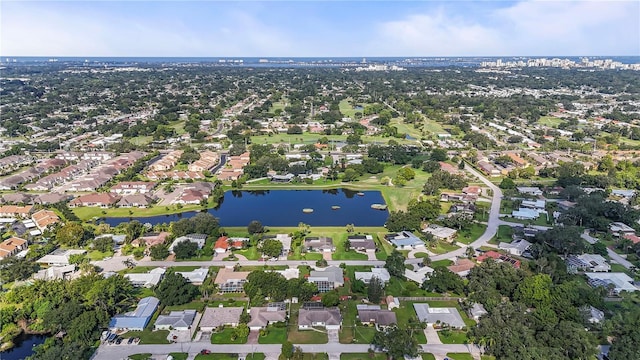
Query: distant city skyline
x,y
319,29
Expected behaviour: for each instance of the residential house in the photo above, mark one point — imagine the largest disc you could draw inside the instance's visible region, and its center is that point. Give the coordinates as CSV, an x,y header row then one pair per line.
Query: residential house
x,y
166,162
12,246
327,279
476,311
496,256
138,319
592,315
225,243
617,280
517,160
328,318
472,190
215,317
133,187
135,201
419,274
285,240
632,237
374,315
208,159
261,317
588,262
103,200
198,239
525,214
192,197
17,198
620,229
461,266
229,280
405,240
439,316
319,244
151,239
20,212
381,273
565,205
44,218
51,198
176,320
196,276
488,168
526,190
67,272
148,279
441,232
361,242
516,247
59,257
534,204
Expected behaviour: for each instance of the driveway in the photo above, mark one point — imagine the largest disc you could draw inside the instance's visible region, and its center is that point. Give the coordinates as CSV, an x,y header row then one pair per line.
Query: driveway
x,y
371,255
432,336
253,337
333,336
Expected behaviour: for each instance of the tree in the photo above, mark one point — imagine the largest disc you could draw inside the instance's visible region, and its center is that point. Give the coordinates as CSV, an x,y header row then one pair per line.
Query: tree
x,y
507,183
395,264
240,332
397,343
255,227
271,248
443,280
16,269
375,290
287,350
104,244
70,234
349,175
174,289
350,228
535,290
158,252
330,299
438,155
185,249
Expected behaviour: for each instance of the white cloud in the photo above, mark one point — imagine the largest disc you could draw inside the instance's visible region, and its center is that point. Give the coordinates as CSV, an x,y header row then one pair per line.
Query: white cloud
x,y
525,28
30,30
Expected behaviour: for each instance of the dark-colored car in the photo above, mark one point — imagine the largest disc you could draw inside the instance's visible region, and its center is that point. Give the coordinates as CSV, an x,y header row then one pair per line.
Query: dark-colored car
x,y
130,341
119,341
205,352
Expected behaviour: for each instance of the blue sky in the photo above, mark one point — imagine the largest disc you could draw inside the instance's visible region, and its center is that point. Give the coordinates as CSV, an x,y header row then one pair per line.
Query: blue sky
x,y
319,28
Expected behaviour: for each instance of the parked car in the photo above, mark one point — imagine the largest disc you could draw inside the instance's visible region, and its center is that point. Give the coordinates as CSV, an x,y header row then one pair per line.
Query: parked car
x,y
205,352
130,341
119,341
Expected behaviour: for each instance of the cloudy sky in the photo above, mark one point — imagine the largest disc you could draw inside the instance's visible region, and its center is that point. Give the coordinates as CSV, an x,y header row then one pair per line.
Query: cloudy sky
x,y
319,28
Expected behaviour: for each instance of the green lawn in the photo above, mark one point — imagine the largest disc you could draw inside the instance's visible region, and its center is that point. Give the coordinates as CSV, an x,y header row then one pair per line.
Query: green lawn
x,y
346,109
428,356
467,236
453,337
306,336
550,121
350,332
96,255
149,337
194,305
459,356
145,356
179,356
224,337
403,314
505,233
276,335
442,247
88,213
216,357
251,253
362,356
441,263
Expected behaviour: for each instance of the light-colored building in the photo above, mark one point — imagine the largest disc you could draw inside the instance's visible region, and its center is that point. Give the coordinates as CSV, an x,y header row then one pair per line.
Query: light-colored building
x,y
619,281
215,317
588,262
138,319
199,239
12,246
381,273
327,279
148,280
176,320
329,318
263,316
440,232
527,190
230,281
59,257
516,247
439,315
196,276
405,240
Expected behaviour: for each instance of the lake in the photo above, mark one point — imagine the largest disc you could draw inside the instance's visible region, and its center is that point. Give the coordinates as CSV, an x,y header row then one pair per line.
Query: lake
x,y
23,347
284,208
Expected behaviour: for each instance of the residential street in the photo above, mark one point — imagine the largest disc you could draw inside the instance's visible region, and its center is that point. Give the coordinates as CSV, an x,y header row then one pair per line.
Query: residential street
x,y
492,224
114,352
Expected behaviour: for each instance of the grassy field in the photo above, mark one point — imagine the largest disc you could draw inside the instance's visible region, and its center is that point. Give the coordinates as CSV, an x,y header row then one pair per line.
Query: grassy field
x,y
470,235
276,335
179,356
306,336
194,305
346,109
406,312
459,356
88,213
144,356
141,140
149,337
550,121
224,337
428,356
217,357
362,356
441,263
98,255
349,332
453,337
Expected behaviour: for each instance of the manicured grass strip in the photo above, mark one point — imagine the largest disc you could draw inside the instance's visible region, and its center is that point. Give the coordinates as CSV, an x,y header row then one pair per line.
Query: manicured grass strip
x,y
275,335
362,356
224,337
179,356
459,356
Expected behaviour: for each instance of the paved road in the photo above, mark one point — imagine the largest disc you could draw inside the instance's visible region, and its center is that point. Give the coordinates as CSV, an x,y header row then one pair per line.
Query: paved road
x,y
258,263
612,254
114,352
492,224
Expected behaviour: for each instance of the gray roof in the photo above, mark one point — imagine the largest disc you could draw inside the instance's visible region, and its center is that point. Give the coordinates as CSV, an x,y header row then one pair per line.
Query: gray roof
x,y
330,316
378,316
263,316
146,307
432,315
404,238
177,319
217,316
332,274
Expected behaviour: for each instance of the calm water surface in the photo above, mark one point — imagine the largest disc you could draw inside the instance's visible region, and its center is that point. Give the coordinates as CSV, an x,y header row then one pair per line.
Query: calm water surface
x,y
23,347
284,208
